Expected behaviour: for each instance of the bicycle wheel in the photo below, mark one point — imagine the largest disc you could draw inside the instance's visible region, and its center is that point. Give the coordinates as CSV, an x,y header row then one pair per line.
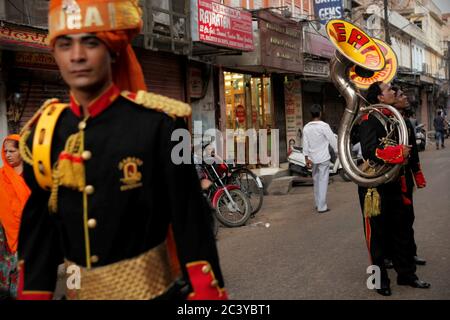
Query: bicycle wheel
x,y
251,185
233,213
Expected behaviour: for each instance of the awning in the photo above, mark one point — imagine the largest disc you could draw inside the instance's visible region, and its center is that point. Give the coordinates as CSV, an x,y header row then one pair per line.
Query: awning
x,y
17,37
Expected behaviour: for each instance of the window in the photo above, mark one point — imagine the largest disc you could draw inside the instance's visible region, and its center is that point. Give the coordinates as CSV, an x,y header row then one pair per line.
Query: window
x,y
418,23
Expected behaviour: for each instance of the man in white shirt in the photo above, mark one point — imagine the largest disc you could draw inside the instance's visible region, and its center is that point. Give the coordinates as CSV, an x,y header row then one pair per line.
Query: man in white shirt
x,y
317,137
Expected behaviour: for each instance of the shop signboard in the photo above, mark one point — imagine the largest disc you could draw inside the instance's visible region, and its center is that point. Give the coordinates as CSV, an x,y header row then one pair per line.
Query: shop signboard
x,y
281,43
325,10
35,60
14,36
220,25
317,68
196,82
294,119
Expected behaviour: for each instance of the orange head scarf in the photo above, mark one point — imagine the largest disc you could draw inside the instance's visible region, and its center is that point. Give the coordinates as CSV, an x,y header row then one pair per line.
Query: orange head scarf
x,y
115,22
13,196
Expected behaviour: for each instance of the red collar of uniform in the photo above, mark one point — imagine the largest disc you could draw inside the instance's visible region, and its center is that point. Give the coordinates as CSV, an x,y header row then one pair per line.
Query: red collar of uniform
x,y
99,104
384,111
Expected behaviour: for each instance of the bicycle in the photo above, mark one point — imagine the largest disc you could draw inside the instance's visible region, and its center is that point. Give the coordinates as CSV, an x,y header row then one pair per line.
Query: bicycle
x,y
250,184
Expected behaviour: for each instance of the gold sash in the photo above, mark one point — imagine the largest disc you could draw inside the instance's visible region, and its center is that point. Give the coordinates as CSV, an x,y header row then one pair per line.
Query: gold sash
x,y
141,278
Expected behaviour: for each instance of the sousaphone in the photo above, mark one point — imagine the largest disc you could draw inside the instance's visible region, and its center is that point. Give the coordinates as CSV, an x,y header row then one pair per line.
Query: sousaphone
x,y
360,61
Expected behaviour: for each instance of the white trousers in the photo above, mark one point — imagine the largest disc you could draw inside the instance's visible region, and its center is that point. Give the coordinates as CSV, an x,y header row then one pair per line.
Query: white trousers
x,y
320,174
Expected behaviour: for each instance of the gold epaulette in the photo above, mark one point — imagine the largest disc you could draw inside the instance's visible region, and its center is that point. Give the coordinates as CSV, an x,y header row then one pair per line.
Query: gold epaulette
x,y
172,107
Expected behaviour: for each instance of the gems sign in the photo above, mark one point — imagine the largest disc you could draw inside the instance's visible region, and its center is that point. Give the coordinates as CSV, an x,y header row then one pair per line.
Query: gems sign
x,y
325,10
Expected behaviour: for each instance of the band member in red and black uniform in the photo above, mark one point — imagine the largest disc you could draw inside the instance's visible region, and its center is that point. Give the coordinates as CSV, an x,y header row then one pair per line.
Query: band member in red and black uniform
x,y
107,198
412,174
383,208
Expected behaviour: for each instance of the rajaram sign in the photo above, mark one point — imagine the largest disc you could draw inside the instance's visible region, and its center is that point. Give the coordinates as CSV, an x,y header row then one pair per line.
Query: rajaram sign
x,y
222,26
328,9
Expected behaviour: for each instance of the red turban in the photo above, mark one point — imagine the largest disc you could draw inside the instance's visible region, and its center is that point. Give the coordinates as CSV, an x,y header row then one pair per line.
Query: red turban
x,y
115,22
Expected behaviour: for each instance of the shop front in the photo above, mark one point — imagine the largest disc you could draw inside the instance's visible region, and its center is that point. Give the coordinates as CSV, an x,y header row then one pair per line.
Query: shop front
x,y
216,30
29,75
259,90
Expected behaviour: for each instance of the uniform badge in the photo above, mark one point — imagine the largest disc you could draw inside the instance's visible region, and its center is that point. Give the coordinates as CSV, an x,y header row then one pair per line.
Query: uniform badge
x,y
132,178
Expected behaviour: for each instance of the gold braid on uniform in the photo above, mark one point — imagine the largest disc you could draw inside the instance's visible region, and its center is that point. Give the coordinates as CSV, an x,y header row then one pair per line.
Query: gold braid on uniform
x,y
172,107
25,133
68,171
372,198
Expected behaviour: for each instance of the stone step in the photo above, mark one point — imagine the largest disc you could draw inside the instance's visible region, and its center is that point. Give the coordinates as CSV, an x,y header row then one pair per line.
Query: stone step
x,y
280,186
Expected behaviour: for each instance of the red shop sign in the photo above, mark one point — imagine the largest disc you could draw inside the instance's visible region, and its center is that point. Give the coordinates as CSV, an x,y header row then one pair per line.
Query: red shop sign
x,y
240,113
224,26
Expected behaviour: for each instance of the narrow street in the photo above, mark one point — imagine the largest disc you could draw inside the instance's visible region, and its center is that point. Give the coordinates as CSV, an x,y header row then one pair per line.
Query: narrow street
x,y
303,255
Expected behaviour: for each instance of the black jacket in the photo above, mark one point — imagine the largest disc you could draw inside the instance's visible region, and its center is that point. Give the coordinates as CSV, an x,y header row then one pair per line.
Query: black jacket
x,y
130,220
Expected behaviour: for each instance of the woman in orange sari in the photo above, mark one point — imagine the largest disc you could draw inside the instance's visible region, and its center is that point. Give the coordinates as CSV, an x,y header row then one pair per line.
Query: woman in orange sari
x,y
13,196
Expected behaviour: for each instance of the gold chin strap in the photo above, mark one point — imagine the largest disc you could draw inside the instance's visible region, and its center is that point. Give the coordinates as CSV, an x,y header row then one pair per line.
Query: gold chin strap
x,y
42,144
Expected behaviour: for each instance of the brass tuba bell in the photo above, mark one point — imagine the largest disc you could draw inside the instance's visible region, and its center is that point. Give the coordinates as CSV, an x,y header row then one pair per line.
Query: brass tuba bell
x,y
360,61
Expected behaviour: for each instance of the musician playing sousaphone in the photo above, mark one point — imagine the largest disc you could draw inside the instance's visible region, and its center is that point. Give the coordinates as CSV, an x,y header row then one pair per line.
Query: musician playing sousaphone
x,y
107,199
360,63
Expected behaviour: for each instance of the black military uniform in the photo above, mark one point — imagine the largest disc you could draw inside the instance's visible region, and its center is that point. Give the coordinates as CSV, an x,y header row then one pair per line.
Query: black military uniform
x,y
412,176
387,231
132,193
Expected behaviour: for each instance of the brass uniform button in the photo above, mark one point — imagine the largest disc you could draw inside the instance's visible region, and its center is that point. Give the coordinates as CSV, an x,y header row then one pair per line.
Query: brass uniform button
x,y
206,269
86,155
92,223
82,125
89,189
94,259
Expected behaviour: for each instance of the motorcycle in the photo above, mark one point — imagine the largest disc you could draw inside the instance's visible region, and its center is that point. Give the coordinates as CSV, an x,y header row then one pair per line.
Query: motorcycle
x,y
232,207
420,137
240,175
297,165
297,162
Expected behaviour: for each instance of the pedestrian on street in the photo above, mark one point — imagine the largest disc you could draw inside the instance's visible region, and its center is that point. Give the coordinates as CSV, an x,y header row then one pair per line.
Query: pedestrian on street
x,y
107,197
13,195
385,227
317,140
439,127
412,118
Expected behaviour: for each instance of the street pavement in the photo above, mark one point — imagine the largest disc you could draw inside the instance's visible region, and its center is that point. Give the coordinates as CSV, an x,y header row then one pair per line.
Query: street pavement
x,y
290,252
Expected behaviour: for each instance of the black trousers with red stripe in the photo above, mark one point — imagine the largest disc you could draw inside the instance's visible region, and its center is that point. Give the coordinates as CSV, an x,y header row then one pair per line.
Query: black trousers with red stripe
x,y
410,216
390,233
